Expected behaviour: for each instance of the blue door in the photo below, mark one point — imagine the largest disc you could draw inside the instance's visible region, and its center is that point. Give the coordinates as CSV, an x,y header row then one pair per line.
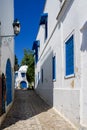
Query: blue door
x,y
23,84
8,82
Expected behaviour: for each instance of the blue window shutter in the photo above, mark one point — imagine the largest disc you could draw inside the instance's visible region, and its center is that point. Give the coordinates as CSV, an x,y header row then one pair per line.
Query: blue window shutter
x,y
43,18
44,21
8,82
46,30
69,49
23,74
16,75
35,47
36,55
36,58
54,67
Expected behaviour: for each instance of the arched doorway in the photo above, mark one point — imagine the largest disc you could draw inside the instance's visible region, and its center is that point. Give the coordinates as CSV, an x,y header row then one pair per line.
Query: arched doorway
x,y
3,93
8,82
23,84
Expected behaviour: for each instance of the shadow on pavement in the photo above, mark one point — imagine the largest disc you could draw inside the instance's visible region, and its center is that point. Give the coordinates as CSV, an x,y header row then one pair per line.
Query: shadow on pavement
x,y
26,104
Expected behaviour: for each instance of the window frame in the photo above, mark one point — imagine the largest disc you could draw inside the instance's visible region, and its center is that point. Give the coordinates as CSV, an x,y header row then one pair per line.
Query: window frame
x,y
73,65
44,21
23,74
16,75
54,68
46,30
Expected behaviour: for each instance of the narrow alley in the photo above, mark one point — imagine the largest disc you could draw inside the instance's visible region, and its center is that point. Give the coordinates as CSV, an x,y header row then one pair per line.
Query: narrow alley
x,y
30,112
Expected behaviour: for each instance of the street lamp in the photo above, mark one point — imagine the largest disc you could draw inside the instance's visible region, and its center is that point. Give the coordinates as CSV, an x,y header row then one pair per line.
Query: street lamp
x,y
16,27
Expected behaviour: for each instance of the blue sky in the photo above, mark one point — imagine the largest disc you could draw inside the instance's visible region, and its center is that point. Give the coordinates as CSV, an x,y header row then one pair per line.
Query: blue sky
x,y
28,12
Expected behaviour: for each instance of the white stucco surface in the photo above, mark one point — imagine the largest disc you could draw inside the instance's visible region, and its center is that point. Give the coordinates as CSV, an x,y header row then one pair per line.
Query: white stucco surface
x,y
7,41
67,95
19,78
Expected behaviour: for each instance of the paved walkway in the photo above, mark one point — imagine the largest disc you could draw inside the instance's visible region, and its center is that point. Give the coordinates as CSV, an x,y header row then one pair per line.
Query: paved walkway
x,y
30,112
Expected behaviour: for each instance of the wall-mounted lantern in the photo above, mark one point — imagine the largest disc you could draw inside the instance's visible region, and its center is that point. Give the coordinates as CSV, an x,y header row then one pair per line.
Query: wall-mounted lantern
x,y
16,27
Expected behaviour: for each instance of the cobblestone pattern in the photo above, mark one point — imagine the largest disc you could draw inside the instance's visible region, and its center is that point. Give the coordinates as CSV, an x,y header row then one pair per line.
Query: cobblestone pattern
x,y
30,112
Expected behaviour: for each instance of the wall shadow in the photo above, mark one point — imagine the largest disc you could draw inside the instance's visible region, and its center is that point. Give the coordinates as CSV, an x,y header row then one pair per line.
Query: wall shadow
x,y
66,10
84,38
45,84
27,104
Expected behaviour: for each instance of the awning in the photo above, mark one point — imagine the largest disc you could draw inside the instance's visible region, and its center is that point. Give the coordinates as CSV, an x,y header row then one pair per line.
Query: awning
x,y
43,18
36,44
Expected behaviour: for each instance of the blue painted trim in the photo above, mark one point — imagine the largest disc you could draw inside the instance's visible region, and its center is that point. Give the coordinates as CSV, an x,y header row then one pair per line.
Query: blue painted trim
x,y
36,44
23,75
54,68
44,21
69,57
23,84
8,82
43,18
46,30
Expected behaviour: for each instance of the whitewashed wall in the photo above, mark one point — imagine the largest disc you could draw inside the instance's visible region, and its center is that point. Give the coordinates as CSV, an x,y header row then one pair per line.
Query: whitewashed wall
x,y
67,95
83,49
6,43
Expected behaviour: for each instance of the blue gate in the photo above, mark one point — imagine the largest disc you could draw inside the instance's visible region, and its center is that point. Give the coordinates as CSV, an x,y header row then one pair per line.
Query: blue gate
x,y
8,82
23,84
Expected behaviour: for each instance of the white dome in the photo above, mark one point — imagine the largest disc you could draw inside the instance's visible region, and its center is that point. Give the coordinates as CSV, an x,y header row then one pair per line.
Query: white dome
x,y
23,68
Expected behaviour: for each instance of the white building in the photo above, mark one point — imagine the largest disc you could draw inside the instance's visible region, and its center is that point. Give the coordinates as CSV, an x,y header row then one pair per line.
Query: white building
x,y
20,77
7,55
61,58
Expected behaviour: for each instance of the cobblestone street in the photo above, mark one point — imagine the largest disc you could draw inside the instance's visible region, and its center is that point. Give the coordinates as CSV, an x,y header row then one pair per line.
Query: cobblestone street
x,y
30,112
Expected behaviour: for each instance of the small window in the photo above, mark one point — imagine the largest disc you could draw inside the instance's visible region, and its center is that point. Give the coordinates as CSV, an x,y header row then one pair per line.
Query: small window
x,y
69,57
35,47
54,67
16,75
36,58
23,75
44,21
46,30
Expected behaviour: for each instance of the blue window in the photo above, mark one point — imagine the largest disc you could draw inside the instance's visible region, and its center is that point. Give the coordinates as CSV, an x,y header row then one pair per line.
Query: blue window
x,y
16,75
23,75
46,30
69,56
36,58
8,82
44,21
35,47
54,67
